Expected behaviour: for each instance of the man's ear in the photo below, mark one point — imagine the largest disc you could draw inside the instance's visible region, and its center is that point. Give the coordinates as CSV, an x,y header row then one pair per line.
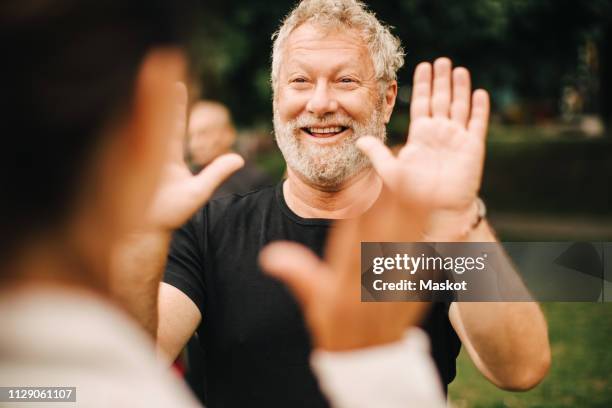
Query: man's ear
x,y
390,97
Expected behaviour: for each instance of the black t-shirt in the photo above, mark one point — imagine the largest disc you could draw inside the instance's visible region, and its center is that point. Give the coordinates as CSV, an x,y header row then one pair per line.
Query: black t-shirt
x,y
256,347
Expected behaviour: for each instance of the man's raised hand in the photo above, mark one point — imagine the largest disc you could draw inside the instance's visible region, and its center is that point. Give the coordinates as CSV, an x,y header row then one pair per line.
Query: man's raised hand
x,y
441,164
329,292
180,193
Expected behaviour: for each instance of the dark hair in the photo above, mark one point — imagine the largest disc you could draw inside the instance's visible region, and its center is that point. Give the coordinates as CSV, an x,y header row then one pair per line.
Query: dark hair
x,y
68,70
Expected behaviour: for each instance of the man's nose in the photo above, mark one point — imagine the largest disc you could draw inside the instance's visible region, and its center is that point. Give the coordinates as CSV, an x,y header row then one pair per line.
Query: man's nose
x,y
322,100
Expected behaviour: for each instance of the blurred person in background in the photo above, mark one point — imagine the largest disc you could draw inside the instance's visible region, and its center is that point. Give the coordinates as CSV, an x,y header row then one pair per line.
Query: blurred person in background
x,y
211,133
334,81
96,85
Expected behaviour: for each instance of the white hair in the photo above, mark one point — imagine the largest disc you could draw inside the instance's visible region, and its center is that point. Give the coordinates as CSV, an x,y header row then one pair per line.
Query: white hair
x,y
385,48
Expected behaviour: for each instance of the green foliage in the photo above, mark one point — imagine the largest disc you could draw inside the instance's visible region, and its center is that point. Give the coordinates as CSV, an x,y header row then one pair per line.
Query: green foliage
x,y
522,51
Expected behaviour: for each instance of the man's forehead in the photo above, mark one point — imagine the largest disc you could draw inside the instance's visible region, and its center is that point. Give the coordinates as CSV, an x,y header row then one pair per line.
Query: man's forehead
x,y
209,114
343,43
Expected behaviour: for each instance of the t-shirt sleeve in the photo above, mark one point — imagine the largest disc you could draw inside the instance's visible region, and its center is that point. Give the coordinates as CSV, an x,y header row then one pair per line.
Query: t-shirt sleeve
x,y
185,263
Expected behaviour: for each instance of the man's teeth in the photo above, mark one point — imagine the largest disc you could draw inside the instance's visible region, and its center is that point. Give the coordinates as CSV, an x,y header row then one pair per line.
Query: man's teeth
x,y
336,129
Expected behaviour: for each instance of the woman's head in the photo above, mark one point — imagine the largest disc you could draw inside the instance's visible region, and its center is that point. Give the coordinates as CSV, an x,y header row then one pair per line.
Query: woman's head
x,y
88,91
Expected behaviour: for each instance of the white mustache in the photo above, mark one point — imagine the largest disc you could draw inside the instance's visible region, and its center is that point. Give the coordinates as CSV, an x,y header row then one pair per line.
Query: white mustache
x,y
336,120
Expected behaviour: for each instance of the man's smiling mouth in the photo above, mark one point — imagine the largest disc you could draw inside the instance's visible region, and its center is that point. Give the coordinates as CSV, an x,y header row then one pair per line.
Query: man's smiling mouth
x,y
328,131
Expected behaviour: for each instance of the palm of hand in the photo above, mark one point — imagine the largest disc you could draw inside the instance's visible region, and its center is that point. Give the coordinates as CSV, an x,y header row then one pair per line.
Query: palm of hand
x,y
174,201
441,164
330,291
180,193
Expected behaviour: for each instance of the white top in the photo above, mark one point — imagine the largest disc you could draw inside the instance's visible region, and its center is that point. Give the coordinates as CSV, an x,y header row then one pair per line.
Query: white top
x,y
400,374
70,339
61,338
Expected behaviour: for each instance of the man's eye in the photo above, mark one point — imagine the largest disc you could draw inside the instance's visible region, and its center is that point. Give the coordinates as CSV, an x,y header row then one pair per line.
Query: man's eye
x,y
347,80
298,80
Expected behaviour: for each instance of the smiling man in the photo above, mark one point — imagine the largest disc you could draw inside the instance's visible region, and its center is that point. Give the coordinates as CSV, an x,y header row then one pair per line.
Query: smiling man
x,y
327,95
334,71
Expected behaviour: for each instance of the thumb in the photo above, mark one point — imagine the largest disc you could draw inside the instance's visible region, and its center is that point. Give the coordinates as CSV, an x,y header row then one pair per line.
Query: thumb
x,y
215,173
296,266
381,157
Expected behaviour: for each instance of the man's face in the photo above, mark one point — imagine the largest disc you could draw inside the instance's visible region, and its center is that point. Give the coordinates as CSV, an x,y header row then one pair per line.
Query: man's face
x,y
210,133
327,97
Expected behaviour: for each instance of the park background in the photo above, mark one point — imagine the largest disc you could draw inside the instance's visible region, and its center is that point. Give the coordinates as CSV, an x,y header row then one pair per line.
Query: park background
x,y
548,67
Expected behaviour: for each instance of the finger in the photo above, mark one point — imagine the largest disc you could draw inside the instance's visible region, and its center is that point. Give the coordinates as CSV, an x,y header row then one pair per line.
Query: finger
x,y
382,158
177,140
295,265
460,105
421,91
441,97
479,118
215,173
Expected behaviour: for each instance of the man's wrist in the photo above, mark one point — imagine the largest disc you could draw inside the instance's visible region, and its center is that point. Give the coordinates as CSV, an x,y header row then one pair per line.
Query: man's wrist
x,y
450,225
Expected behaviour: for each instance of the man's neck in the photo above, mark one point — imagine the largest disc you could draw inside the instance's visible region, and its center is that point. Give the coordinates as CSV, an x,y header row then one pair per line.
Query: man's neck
x,y
351,199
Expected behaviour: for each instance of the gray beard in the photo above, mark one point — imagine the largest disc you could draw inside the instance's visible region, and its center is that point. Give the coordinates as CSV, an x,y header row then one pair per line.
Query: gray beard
x,y
327,166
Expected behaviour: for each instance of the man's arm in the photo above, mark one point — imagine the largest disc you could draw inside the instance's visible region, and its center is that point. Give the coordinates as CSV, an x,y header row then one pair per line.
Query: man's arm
x,y
441,167
179,318
507,341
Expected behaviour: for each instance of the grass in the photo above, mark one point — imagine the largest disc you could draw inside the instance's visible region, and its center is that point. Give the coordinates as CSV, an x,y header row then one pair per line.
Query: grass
x,y
581,372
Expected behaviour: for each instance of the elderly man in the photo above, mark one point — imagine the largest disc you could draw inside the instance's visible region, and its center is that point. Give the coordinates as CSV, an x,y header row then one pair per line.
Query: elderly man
x,y
334,81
